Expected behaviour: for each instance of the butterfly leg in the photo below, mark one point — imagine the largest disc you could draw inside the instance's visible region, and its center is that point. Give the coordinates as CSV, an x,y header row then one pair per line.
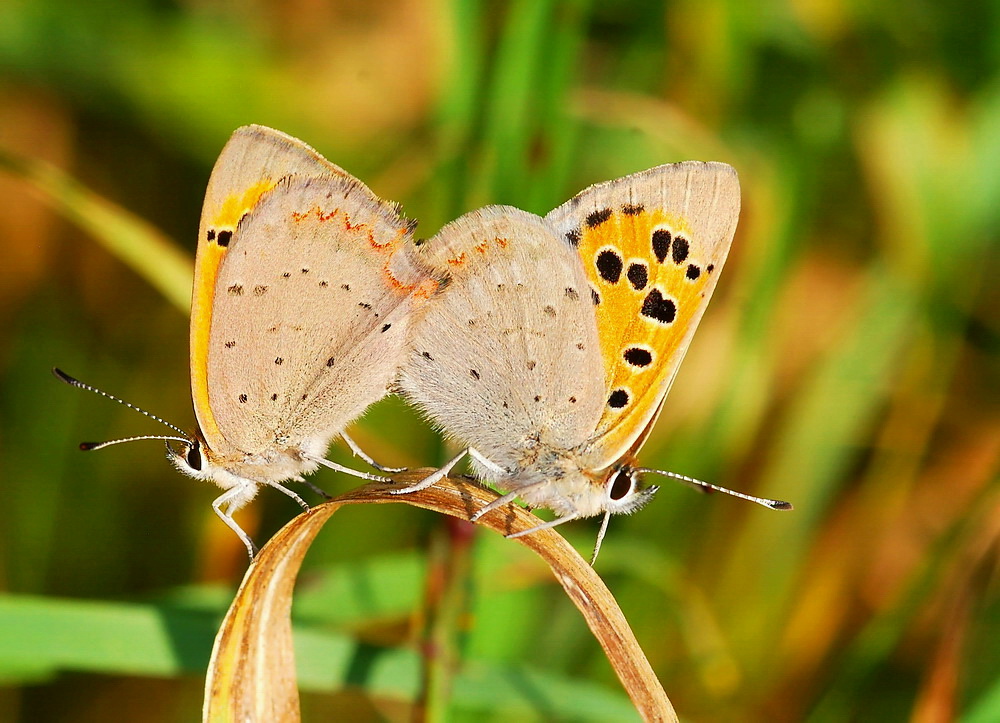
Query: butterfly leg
x,y
600,537
434,477
280,487
501,501
498,502
318,490
488,463
544,526
510,497
347,470
358,452
226,515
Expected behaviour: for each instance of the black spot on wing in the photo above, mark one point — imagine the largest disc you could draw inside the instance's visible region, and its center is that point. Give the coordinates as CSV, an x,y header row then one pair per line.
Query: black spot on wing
x,y
656,307
693,272
679,251
661,243
638,357
618,399
633,209
573,237
224,237
609,266
638,276
598,217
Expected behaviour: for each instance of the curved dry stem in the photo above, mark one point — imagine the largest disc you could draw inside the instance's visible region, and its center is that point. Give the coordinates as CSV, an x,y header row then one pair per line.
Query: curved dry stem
x,y
252,671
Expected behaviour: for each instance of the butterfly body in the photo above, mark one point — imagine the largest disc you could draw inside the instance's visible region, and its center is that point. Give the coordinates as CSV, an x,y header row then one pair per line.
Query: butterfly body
x,y
563,480
248,471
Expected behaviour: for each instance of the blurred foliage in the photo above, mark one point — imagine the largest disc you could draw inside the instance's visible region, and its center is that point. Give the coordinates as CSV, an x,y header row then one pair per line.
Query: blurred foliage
x,y
849,362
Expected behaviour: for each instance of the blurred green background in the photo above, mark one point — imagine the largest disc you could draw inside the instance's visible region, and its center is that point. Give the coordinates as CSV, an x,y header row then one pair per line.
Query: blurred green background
x,y
848,363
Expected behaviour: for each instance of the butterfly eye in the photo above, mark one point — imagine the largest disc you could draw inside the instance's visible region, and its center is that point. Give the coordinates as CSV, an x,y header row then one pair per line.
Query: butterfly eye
x,y
621,485
193,457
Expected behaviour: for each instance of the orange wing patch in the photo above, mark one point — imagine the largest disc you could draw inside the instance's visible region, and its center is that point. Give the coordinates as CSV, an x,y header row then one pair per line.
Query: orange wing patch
x,y
238,205
649,285
217,233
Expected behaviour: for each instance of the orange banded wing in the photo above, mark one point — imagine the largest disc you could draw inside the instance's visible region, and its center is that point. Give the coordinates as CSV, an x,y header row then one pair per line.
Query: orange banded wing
x,y
653,245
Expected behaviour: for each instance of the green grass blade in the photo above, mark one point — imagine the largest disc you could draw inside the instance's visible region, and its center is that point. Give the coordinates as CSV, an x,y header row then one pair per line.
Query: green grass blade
x,y
129,238
40,637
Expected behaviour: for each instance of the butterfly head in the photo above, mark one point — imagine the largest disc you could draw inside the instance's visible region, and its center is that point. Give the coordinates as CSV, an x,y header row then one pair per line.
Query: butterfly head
x,y
623,494
191,457
623,491
613,491
572,491
284,460
195,458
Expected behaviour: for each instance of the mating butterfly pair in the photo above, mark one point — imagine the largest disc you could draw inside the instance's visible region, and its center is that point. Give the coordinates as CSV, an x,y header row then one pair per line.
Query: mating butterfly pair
x,y
545,345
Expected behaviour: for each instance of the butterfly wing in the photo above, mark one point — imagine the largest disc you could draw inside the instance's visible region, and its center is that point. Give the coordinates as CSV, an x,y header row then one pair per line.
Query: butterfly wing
x,y
300,305
653,245
508,348
258,156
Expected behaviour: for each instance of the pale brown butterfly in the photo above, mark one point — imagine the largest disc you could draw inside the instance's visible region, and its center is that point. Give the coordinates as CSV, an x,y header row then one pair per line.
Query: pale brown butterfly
x,y
550,349
300,315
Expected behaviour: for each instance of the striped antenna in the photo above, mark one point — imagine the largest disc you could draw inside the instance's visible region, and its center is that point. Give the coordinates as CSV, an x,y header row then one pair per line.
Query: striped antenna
x,y
90,446
709,488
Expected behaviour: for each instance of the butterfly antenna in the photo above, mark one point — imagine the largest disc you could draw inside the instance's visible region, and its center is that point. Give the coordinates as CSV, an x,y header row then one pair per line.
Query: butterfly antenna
x,y
708,488
89,446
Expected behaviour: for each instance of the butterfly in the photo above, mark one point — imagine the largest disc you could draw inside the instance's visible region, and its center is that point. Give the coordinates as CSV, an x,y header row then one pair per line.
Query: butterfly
x,y
551,345
301,308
